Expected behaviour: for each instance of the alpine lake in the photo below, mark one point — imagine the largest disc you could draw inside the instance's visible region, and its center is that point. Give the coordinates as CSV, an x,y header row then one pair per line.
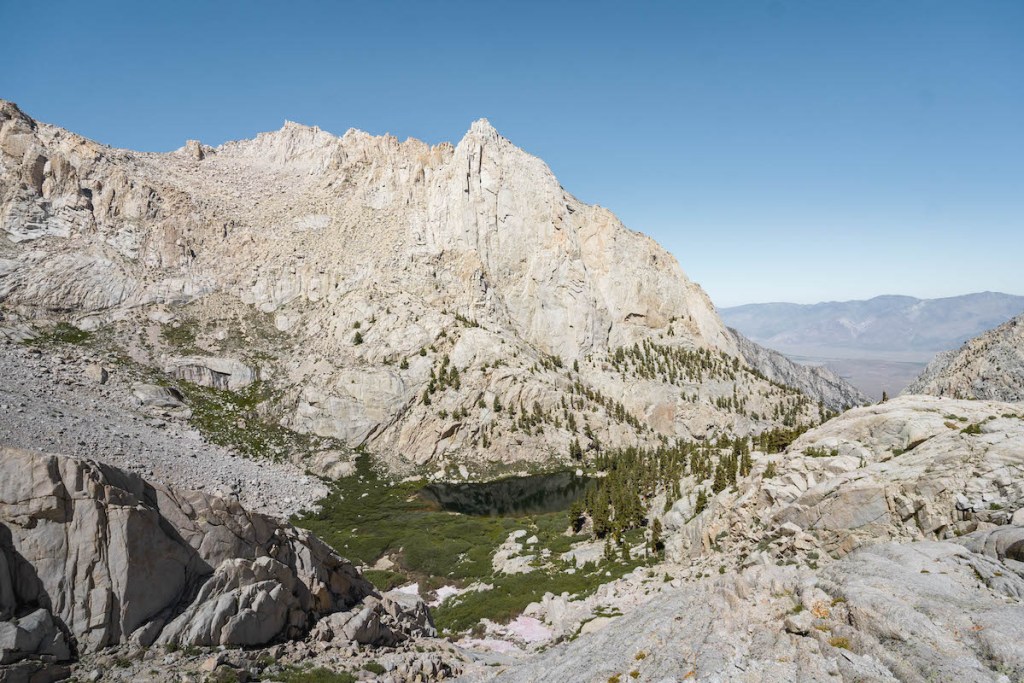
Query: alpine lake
x,y
446,534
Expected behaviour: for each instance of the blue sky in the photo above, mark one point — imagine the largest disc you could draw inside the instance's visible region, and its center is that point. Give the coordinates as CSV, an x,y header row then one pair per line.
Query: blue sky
x,y
783,151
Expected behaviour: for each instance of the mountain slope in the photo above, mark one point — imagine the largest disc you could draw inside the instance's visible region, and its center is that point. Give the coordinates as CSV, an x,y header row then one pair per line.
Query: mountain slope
x,y
813,380
988,367
439,303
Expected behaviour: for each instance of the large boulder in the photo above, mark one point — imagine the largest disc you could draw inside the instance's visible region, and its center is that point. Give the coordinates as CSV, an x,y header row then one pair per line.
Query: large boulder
x,y
210,371
34,634
110,558
390,620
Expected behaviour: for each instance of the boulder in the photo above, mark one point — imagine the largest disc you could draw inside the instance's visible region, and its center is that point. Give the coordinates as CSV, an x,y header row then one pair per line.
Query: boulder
x,y
387,621
32,635
96,373
155,396
113,557
208,371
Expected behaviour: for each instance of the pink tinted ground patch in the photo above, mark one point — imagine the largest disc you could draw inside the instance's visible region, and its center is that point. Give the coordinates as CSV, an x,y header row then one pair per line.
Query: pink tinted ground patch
x,y
529,629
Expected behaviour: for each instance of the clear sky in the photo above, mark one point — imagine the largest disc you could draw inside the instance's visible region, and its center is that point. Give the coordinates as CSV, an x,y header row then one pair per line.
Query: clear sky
x,y
783,151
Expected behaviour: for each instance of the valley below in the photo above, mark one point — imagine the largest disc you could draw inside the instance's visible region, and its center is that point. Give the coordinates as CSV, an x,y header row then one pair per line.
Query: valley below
x,y
877,345
873,376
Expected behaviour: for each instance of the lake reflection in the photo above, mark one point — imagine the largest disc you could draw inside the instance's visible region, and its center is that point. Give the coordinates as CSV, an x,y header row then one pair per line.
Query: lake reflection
x,y
513,496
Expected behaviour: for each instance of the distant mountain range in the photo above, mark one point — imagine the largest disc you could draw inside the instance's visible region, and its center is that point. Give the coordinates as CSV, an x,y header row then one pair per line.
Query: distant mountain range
x,y
878,344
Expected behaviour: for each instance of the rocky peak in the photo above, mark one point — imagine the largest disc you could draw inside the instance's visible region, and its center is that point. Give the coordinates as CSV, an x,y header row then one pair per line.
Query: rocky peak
x,y
9,110
374,261
482,128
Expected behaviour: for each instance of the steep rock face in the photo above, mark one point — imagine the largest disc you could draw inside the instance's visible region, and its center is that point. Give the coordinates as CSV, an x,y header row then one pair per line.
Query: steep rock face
x,y
815,381
111,558
989,367
371,266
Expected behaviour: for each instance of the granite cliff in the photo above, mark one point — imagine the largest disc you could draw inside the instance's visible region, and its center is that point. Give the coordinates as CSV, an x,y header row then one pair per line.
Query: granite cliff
x,y
445,304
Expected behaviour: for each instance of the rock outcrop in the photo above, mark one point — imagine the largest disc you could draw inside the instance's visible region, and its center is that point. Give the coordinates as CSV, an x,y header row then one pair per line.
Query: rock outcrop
x,y
885,546
913,468
989,367
889,612
447,304
93,556
217,373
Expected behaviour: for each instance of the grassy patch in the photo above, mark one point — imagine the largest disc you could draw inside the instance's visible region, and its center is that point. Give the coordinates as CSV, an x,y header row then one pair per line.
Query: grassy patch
x,y
840,642
366,517
385,579
511,594
181,334
374,667
63,333
294,674
233,419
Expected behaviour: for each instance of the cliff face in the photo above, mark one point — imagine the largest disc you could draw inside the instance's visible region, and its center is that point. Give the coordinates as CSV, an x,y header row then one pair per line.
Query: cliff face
x,y
434,302
988,367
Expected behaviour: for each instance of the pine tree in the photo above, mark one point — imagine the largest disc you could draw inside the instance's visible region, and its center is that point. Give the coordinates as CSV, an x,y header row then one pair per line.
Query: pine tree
x,y
702,502
720,481
575,452
656,531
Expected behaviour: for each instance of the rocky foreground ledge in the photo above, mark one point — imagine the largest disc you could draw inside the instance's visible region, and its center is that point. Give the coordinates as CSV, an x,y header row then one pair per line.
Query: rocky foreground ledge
x,y
96,560
884,545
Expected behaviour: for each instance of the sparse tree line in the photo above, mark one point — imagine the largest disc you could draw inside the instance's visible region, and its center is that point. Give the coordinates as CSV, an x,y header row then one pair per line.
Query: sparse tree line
x,y
622,499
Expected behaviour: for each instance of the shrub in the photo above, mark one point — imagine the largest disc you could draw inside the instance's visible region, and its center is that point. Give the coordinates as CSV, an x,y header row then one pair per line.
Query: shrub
x,y
840,642
374,667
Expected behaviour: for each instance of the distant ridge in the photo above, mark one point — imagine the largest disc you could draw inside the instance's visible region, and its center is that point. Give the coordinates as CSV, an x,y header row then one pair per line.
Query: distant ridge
x,y
878,344
883,323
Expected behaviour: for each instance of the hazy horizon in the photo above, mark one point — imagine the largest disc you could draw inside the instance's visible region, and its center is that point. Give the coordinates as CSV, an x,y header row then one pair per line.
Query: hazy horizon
x,y
788,152
868,298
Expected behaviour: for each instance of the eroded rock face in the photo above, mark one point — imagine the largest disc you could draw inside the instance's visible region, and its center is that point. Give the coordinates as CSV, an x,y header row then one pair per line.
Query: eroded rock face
x,y
226,374
359,253
988,367
106,558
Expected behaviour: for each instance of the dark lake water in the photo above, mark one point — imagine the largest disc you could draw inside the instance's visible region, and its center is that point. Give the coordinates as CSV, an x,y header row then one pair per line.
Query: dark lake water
x,y
513,496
